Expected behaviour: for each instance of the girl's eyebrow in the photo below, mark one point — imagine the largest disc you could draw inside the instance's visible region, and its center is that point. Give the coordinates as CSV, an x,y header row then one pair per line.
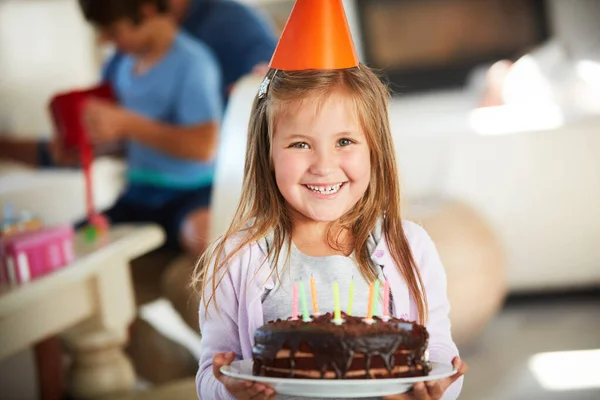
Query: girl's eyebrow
x,y
295,136
345,133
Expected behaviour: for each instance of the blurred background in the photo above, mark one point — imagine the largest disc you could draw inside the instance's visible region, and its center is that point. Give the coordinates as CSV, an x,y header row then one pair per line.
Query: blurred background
x,y
496,120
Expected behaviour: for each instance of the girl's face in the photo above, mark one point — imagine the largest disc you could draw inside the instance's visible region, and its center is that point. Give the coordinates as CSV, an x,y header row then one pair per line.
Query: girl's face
x,y
321,157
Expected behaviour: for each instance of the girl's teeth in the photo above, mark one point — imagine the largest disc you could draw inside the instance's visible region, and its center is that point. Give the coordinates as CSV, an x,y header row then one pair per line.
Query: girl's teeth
x,y
325,189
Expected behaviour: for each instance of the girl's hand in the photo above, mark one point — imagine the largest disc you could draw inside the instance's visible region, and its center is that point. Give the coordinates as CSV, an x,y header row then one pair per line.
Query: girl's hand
x,y
242,390
432,390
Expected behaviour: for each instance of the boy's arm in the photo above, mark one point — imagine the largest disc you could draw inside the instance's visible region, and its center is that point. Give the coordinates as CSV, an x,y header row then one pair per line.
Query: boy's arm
x,y
38,153
22,151
196,142
108,124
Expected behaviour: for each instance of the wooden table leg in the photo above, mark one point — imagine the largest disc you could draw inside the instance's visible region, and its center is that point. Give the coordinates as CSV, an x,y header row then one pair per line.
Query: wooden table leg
x,y
49,363
99,367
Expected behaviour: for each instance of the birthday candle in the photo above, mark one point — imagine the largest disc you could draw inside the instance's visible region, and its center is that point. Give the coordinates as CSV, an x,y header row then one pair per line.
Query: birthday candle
x,y
313,292
350,297
370,304
295,301
305,314
386,299
337,313
376,298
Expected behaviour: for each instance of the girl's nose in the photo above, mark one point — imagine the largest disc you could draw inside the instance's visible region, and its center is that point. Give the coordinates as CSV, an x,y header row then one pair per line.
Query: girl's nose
x,y
323,163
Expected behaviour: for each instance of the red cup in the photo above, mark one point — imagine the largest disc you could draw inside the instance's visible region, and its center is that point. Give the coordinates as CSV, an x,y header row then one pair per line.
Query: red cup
x,y
67,109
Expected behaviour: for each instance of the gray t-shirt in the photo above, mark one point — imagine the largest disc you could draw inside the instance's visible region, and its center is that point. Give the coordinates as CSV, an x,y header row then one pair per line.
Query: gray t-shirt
x,y
278,302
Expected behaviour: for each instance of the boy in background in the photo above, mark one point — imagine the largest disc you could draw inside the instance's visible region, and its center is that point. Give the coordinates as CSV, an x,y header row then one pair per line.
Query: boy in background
x,y
168,87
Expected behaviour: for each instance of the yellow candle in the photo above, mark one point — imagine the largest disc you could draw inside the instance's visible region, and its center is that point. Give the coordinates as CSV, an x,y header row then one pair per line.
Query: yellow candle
x,y
350,297
313,292
370,306
337,313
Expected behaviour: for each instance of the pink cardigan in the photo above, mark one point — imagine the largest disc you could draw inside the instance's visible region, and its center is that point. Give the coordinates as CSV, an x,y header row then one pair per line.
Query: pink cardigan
x,y
240,307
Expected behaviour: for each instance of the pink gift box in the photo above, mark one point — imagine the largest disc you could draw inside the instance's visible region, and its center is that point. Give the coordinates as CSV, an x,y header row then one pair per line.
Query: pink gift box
x,y
25,256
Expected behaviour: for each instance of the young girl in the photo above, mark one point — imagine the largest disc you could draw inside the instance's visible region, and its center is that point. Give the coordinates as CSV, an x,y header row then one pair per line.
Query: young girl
x,y
321,197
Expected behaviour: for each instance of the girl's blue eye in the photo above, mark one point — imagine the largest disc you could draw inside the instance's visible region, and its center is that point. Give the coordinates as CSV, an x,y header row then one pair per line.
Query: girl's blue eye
x,y
300,145
344,142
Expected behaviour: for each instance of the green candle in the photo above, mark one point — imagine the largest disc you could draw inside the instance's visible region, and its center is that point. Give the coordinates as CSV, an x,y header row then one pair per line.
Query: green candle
x,y
376,297
337,313
305,314
350,297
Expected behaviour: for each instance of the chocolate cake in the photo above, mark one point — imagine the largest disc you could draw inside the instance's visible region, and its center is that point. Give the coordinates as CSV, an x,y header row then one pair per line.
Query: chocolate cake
x,y
320,349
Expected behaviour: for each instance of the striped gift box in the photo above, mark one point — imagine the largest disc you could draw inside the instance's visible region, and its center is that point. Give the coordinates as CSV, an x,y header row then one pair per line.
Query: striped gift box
x,y
25,256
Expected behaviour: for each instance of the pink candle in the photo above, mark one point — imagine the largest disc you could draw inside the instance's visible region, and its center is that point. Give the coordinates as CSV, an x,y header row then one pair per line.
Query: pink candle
x,y
295,301
386,299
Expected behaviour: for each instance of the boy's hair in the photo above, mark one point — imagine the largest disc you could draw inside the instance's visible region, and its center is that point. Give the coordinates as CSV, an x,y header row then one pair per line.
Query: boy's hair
x,y
262,209
105,12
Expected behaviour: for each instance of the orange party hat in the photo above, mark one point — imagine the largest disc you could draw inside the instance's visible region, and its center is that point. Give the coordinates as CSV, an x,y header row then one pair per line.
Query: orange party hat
x,y
316,36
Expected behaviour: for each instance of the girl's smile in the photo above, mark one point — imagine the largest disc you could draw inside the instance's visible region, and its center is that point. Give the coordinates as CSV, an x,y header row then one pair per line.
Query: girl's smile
x,y
325,191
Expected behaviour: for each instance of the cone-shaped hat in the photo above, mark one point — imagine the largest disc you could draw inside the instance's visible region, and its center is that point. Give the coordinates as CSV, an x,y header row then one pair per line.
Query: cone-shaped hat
x,y
316,36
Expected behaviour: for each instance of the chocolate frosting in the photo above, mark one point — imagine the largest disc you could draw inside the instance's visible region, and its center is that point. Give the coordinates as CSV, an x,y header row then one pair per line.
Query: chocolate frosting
x,y
383,344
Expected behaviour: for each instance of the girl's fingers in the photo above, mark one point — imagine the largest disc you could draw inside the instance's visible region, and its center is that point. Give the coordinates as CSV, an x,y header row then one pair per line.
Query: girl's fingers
x,y
461,369
403,396
240,388
420,391
262,395
219,360
434,389
236,386
257,390
232,384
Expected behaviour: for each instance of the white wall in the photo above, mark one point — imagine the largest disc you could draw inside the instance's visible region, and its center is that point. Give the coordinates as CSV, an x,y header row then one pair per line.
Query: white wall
x,y
45,47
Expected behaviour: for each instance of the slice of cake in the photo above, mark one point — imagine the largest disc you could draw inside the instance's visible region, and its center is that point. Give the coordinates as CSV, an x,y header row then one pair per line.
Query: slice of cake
x,y
321,349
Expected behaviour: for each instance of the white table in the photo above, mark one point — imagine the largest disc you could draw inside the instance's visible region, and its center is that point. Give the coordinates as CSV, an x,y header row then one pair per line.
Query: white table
x,y
89,304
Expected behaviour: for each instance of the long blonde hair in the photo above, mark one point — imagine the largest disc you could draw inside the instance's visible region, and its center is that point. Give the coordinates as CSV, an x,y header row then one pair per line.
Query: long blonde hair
x,y
262,209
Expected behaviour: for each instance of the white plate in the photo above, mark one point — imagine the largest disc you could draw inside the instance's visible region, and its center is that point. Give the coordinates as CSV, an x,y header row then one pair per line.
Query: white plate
x,y
346,388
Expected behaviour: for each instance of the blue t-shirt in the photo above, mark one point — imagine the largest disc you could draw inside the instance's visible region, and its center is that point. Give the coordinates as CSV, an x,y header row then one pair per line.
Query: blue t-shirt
x,y
182,89
239,35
